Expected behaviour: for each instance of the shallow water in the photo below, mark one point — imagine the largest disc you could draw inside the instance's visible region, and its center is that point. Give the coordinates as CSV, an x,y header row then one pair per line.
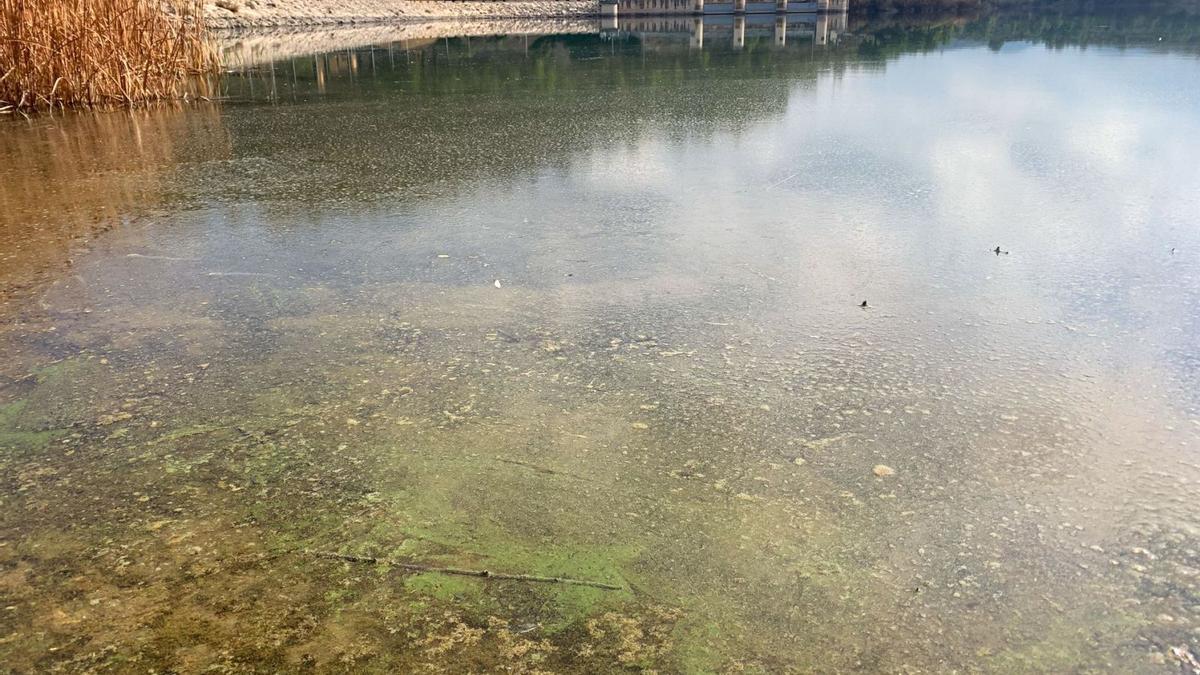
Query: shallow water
x,y
588,306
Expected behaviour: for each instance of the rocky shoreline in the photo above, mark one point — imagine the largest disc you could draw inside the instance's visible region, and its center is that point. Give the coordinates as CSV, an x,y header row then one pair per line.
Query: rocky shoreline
x,y
226,14
255,46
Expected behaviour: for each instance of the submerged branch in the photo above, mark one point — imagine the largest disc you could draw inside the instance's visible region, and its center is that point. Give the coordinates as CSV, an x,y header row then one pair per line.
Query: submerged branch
x,y
543,469
485,574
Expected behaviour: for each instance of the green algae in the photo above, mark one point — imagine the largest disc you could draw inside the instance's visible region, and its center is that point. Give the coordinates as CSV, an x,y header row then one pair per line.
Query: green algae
x,y
307,479
425,527
698,649
187,431
422,504
569,603
66,392
445,587
63,394
13,437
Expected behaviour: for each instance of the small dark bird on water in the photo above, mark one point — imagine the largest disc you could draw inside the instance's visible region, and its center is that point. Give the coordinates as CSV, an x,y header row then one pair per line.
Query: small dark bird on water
x,y
864,303
997,251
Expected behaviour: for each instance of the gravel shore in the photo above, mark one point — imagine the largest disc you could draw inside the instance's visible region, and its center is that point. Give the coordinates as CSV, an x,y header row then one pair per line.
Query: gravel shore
x,y
249,47
263,13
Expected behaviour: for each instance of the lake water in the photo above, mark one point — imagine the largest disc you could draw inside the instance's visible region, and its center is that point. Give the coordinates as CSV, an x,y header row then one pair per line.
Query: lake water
x,y
588,305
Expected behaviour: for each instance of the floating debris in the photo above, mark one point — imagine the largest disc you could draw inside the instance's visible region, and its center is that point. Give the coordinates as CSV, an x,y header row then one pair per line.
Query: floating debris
x,y
883,470
1186,659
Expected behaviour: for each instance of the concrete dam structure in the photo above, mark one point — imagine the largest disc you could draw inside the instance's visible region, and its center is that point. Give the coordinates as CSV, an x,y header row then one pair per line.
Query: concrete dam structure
x,y
614,8
817,29
823,20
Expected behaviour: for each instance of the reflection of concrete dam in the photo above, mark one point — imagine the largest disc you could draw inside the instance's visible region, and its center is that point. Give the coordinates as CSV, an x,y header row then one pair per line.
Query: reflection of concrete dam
x,y
611,8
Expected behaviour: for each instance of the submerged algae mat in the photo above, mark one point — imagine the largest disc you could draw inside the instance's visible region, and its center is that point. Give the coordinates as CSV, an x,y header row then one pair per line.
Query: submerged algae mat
x,y
158,505
159,514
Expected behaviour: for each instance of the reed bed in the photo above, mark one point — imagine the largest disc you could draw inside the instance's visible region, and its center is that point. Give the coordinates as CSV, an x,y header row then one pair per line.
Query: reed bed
x,y
58,53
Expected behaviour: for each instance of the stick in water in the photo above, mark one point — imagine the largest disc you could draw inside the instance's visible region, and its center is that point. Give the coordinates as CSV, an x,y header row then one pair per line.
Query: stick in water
x,y
412,567
161,257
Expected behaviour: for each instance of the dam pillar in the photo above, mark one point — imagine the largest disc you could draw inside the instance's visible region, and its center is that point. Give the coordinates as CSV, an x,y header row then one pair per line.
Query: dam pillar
x,y
739,6
821,30
608,16
781,6
781,31
698,6
739,32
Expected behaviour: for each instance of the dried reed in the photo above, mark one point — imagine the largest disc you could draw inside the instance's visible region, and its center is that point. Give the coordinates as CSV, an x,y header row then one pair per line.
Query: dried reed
x,y
57,53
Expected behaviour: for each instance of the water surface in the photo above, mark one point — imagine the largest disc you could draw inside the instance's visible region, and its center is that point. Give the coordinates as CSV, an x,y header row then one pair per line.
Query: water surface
x,y
589,306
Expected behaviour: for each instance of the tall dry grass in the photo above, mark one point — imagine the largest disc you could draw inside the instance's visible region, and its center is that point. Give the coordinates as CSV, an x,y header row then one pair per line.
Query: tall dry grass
x,y
57,53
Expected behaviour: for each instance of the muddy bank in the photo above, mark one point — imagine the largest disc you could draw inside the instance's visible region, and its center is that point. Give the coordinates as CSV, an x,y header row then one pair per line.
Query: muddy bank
x,y
258,13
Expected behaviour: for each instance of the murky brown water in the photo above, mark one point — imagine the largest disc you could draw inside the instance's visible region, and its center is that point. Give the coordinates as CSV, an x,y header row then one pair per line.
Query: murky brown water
x,y
589,308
